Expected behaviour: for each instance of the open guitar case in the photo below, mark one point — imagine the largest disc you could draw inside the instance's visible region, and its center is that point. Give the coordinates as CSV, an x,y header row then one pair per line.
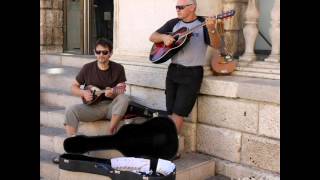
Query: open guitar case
x,y
155,140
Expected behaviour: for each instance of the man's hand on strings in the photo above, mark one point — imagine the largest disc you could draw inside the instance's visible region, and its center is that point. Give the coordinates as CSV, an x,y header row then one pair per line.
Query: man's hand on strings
x,y
167,39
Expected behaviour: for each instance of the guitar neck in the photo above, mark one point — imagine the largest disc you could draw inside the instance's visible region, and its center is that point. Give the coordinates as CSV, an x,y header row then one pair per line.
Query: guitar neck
x,y
219,16
198,26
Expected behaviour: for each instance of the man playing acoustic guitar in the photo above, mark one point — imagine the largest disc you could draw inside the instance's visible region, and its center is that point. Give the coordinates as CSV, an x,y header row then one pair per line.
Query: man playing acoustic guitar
x,y
185,73
103,74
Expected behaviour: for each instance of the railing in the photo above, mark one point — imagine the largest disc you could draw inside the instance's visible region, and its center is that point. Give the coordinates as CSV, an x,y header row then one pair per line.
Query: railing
x,y
251,31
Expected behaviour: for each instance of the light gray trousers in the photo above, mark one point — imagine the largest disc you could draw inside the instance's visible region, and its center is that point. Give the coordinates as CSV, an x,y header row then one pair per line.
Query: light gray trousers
x,y
103,110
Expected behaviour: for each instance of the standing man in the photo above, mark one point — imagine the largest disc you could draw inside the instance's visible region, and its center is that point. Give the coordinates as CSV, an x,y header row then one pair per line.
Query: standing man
x,y
185,73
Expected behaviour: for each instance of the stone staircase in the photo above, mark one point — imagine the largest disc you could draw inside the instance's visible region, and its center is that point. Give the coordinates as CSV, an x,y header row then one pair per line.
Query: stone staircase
x,y
258,69
56,75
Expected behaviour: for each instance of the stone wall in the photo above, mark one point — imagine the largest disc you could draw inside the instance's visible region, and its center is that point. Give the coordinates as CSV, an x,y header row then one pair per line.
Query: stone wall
x,y
240,131
51,26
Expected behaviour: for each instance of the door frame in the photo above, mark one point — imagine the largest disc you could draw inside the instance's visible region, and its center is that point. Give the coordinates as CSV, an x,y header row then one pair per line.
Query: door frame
x,y
86,14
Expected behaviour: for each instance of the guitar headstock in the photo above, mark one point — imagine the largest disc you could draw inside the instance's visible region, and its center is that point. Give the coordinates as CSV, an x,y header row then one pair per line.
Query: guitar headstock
x,y
226,14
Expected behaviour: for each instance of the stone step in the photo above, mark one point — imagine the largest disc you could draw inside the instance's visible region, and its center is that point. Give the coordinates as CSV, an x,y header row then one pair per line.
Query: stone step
x,y
52,116
52,142
257,75
48,170
240,171
267,90
60,77
141,73
260,64
51,139
191,166
225,86
259,70
57,77
54,97
152,98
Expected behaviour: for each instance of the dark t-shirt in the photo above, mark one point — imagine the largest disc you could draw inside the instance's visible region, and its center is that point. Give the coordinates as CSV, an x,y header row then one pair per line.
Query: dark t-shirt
x,y
90,74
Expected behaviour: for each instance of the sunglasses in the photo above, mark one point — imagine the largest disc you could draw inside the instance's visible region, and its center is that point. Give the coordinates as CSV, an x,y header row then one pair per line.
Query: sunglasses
x,y
181,7
103,52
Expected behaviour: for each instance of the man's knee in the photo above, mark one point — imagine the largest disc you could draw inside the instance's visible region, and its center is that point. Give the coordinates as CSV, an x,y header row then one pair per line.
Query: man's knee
x,y
71,116
71,109
120,105
122,99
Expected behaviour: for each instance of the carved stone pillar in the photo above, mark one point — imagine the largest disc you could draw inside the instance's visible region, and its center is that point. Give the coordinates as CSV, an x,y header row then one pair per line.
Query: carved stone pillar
x,y
233,26
250,31
275,33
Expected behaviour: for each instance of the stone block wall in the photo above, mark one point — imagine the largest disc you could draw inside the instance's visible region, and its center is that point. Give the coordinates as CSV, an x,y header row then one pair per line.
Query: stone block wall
x,y
240,131
51,26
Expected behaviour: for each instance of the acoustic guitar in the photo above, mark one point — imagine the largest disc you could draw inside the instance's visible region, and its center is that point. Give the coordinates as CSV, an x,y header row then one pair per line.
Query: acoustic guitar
x,y
161,53
224,65
98,94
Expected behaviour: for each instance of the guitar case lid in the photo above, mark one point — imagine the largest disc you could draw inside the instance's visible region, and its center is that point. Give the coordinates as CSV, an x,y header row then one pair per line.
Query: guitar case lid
x,y
93,165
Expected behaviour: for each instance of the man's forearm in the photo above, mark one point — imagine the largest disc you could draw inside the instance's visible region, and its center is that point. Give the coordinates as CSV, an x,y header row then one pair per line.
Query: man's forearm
x,y
156,37
75,90
215,39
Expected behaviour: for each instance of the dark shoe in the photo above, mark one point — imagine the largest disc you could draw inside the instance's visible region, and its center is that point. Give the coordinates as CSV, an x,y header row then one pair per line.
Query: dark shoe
x,y
177,156
56,159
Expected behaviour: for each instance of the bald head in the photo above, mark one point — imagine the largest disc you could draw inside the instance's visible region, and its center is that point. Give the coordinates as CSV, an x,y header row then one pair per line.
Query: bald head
x,y
187,2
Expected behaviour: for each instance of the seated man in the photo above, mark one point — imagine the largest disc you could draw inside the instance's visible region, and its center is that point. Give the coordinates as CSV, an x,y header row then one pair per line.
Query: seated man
x,y
103,74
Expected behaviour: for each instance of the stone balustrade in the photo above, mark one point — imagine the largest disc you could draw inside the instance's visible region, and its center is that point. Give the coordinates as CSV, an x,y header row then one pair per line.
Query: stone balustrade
x,y
251,30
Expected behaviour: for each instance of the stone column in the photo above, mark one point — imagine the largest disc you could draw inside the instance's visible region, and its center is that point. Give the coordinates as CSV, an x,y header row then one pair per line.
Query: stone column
x,y
250,31
233,26
275,33
51,26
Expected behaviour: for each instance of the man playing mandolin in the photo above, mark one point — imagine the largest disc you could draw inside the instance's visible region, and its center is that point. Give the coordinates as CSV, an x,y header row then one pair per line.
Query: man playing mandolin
x,y
185,73
103,74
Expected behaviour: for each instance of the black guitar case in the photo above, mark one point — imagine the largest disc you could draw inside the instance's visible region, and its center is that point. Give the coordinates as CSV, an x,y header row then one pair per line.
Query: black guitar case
x,y
156,138
137,110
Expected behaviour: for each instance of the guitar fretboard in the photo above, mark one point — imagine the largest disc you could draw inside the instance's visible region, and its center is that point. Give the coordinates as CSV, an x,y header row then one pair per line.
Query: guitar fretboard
x,y
219,16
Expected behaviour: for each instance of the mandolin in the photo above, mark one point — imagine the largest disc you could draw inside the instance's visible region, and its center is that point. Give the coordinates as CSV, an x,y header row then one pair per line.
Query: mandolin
x,y
98,94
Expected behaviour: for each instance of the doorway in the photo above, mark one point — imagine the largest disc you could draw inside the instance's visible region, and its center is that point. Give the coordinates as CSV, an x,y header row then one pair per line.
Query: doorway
x,y
72,26
84,22
101,21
